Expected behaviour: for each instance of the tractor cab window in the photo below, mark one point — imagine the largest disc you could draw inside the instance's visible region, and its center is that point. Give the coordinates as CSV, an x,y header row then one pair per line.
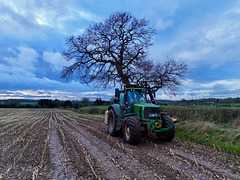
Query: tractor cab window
x,y
121,98
136,97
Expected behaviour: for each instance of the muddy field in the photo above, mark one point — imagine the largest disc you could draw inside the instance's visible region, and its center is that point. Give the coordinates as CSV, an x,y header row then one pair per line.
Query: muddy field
x,y
52,144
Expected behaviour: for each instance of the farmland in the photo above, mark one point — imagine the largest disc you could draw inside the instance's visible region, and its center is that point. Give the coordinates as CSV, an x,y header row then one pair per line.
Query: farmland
x,y
57,144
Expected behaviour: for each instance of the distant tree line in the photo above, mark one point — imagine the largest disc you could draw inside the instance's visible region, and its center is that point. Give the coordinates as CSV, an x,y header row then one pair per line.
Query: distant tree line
x,y
209,101
11,104
49,103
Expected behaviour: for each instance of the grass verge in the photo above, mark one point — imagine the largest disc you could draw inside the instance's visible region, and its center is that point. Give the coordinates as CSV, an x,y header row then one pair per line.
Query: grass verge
x,y
91,110
86,115
223,137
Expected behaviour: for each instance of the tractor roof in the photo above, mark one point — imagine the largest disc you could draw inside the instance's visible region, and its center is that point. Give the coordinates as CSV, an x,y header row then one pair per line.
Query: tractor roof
x,y
133,88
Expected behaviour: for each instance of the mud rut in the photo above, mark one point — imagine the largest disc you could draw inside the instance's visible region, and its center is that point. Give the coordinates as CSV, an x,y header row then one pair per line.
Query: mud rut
x,y
52,144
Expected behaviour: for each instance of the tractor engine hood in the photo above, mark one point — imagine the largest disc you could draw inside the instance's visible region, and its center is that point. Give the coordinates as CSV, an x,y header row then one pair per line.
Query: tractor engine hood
x,y
143,105
147,110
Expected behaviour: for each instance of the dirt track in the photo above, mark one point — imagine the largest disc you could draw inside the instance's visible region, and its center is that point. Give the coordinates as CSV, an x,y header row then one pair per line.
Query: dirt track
x,y
51,144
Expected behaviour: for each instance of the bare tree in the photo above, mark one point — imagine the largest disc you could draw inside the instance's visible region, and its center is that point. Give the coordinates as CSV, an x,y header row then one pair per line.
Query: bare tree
x,y
166,75
115,51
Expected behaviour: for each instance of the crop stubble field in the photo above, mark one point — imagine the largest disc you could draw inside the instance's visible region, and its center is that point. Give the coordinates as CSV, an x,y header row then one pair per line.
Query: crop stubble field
x,y
54,144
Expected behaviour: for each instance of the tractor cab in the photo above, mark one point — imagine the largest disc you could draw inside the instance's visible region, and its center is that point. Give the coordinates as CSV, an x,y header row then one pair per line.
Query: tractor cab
x,y
128,97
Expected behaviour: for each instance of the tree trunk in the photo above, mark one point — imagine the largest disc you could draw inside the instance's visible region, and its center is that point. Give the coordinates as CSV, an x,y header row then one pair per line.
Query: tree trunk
x,y
124,77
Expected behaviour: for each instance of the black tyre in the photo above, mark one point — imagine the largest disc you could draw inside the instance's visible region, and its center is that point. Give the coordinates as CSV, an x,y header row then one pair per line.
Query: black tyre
x,y
131,130
145,131
169,134
112,123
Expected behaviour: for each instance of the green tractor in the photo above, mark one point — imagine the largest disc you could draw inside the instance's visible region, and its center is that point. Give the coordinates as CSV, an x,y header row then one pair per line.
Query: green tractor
x,y
134,113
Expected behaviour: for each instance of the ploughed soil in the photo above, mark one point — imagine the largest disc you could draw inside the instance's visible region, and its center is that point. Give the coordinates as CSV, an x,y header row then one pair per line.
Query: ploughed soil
x,y
53,144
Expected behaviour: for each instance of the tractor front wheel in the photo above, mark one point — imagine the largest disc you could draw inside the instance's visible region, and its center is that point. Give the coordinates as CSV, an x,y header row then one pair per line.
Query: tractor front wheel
x,y
131,130
169,134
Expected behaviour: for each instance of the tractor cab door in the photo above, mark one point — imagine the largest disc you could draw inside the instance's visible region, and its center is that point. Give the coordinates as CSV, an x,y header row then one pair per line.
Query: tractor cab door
x,y
128,104
135,97
121,102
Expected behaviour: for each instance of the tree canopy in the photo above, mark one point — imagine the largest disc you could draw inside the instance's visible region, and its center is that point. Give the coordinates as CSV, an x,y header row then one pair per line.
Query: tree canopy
x,y
116,51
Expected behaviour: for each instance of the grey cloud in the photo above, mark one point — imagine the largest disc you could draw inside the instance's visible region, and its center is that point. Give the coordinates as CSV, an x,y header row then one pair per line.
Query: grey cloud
x,y
29,19
20,62
13,23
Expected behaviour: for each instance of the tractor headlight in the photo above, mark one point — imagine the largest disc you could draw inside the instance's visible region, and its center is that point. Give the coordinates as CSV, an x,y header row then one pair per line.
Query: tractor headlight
x,y
153,115
158,125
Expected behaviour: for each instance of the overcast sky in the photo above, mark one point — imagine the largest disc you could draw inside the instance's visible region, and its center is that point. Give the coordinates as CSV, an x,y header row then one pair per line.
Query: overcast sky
x,y
203,33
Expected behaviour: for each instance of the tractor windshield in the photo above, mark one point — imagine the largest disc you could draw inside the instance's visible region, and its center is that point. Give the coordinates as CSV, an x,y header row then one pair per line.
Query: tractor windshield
x,y
136,97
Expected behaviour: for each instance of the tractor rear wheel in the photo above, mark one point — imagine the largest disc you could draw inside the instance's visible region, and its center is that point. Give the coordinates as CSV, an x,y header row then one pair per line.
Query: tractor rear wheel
x,y
169,134
112,123
131,130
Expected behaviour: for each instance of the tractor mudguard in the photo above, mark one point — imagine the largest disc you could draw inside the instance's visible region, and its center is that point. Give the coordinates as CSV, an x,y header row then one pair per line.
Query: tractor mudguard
x,y
175,119
117,110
